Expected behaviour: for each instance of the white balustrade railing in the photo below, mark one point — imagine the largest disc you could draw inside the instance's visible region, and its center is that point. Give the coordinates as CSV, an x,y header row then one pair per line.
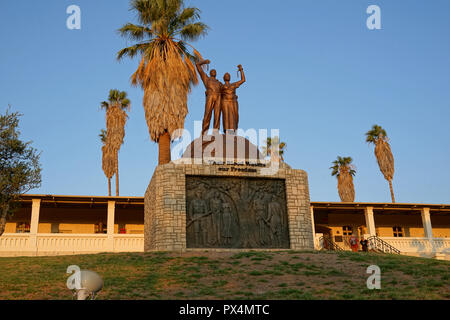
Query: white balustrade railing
x,y
420,245
129,243
14,242
62,244
71,243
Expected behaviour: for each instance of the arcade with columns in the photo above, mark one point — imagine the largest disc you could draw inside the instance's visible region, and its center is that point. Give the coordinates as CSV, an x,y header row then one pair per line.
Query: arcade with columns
x,y
413,229
66,225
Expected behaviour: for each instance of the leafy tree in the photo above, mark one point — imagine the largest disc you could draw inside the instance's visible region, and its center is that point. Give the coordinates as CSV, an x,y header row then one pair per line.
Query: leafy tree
x,y
378,136
20,170
344,170
116,118
166,71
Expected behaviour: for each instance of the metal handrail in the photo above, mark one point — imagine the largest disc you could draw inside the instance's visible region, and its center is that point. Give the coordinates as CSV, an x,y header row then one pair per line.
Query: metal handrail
x,y
382,245
330,245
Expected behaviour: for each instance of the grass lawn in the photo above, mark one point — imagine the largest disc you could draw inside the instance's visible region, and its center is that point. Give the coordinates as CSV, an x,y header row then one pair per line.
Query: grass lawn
x,y
227,275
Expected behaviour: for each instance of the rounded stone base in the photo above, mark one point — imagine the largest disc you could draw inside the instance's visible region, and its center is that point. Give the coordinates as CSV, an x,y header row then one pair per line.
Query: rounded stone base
x,y
223,147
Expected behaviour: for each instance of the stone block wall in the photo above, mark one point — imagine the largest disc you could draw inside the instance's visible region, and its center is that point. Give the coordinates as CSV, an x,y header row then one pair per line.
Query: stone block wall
x,y
165,203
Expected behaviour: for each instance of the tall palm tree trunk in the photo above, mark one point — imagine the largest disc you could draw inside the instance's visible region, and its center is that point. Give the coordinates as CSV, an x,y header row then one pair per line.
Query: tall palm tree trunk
x,y
164,148
109,187
117,173
392,191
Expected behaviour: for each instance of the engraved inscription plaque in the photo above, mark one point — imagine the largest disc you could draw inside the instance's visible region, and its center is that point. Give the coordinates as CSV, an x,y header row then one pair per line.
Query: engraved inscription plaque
x,y
225,212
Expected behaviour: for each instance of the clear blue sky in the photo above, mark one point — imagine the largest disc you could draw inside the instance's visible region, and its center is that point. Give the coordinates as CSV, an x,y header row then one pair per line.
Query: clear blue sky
x,y
314,71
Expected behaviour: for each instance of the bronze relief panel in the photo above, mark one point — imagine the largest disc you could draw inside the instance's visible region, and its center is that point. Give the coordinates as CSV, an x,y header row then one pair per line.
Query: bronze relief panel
x,y
230,212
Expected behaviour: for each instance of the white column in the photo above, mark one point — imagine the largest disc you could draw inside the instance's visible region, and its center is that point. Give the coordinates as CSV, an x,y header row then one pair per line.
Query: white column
x,y
110,224
34,224
313,227
370,221
426,221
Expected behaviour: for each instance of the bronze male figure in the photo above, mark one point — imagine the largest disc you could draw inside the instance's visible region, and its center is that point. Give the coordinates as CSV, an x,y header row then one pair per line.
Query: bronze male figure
x,y
213,97
197,213
275,221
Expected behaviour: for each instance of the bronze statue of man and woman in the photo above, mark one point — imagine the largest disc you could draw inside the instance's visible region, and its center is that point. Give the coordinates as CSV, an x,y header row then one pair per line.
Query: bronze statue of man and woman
x,y
221,99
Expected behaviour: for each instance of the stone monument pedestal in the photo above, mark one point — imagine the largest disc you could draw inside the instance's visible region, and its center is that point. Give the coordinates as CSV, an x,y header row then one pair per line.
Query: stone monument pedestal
x,y
227,206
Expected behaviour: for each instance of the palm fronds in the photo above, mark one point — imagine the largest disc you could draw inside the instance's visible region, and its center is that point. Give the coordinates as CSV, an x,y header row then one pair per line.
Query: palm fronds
x,y
166,71
103,136
271,145
108,158
344,170
108,161
375,133
383,153
385,159
116,118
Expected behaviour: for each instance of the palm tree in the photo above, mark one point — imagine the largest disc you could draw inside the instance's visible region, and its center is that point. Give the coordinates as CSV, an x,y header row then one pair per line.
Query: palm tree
x,y
108,159
345,171
377,135
116,118
270,143
166,71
